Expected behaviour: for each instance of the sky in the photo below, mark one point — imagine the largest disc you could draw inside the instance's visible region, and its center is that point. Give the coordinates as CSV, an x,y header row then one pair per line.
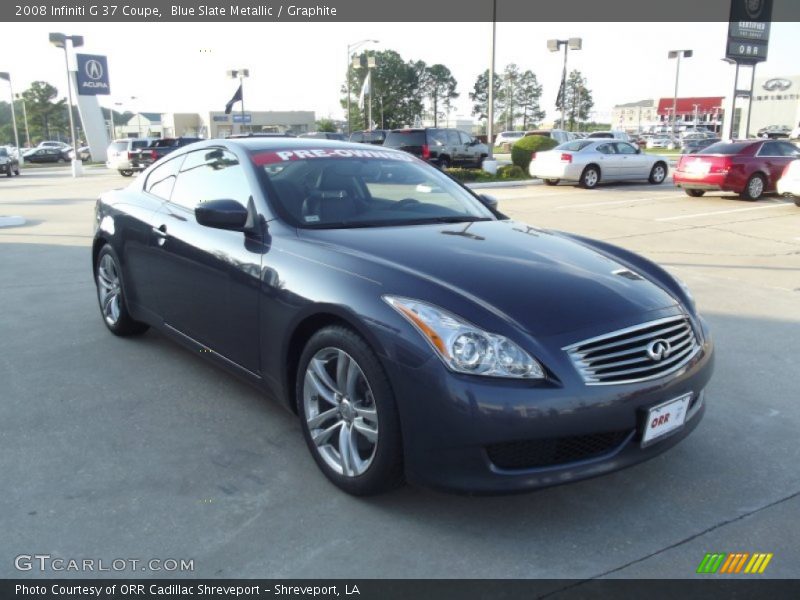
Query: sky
x,y
181,67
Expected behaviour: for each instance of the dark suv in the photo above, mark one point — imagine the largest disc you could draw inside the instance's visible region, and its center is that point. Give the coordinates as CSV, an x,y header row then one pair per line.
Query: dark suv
x,y
441,147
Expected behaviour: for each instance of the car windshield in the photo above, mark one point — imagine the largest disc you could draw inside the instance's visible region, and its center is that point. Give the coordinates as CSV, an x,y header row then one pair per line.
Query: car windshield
x,y
574,146
336,188
3,152
724,148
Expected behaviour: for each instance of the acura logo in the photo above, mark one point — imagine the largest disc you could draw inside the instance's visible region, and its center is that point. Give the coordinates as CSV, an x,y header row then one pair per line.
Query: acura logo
x,y
777,84
93,69
659,350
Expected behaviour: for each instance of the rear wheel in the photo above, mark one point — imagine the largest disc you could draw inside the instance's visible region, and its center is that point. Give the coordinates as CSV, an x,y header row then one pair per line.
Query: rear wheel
x,y
694,193
754,188
126,172
348,414
16,170
590,177
110,295
797,200
551,181
658,174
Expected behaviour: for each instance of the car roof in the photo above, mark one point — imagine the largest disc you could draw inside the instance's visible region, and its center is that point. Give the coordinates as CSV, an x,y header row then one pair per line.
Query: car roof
x,y
265,144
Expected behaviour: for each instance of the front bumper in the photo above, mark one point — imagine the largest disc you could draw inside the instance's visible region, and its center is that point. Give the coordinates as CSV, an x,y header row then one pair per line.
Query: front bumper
x,y
788,187
452,424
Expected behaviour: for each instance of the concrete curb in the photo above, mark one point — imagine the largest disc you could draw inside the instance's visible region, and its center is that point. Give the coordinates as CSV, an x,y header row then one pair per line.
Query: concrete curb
x,y
503,184
11,221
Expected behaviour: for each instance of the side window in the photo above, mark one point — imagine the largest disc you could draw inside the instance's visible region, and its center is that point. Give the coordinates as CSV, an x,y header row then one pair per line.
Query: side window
x,y
210,174
605,149
770,149
357,137
438,137
790,149
465,139
623,148
161,180
452,138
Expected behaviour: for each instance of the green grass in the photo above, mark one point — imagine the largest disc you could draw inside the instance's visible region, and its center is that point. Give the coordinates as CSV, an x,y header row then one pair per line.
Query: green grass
x,y
480,176
661,151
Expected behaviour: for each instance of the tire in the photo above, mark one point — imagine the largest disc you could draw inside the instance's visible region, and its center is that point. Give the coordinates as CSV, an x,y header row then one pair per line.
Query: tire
x,y
126,173
797,200
16,171
479,164
111,296
590,177
9,172
658,173
694,193
444,163
363,397
754,188
551,181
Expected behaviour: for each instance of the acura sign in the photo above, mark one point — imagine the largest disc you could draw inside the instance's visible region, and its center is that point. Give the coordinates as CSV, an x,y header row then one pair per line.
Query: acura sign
x,y
92,75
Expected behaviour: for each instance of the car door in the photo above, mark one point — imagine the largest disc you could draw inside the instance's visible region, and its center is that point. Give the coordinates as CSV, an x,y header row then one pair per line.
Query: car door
x,y
632,165
470,148
609,161
208,279
773,160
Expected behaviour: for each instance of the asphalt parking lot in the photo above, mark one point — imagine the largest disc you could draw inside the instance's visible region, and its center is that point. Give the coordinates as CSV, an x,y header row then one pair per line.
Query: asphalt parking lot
x,y
136,448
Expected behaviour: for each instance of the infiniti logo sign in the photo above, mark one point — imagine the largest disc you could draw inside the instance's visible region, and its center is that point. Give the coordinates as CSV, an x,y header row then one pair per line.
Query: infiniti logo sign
x,y
778,84
93,69
659,349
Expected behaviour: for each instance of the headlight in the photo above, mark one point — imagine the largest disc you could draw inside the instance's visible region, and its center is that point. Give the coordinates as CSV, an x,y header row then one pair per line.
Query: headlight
x,y
465,348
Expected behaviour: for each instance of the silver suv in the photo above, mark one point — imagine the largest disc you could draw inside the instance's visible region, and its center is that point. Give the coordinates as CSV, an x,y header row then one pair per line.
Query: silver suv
x,y
119,154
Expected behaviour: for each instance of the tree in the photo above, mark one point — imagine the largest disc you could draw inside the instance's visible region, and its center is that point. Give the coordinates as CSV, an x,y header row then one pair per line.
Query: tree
x,y
528,94
506,104
397,96
480,94
326,125
43,112
439,85
577,99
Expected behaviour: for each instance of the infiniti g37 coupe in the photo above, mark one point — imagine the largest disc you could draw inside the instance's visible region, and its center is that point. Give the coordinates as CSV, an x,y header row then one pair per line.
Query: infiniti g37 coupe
x,y
417,332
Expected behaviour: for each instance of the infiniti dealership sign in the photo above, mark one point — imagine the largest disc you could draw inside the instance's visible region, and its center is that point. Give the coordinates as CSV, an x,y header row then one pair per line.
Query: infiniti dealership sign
x,y
92,75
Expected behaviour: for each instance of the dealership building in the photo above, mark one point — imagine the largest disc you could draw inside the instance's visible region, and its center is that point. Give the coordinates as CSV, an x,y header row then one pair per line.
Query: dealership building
x,y
215,124
776,101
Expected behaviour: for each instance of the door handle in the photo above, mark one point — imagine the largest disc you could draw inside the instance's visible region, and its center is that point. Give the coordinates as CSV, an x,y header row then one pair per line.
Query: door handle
x,y
161,234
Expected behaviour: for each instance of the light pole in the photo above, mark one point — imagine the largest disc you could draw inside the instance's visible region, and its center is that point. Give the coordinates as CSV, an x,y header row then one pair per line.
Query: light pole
x,y
21,98
350,49
555,46
370,65
59,40
490,124
695,115
677,54
7,77
240,74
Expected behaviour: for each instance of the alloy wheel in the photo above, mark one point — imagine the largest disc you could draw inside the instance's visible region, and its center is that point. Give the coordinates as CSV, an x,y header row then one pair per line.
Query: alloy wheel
x,y
109,289
755,187
340,412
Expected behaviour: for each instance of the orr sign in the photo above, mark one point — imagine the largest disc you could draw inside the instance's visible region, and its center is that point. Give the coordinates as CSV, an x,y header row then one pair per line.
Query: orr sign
x,y
92,75
748,31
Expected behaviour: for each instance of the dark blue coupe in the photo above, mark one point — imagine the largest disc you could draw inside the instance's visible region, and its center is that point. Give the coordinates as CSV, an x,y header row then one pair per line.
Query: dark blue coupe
x,y
416,331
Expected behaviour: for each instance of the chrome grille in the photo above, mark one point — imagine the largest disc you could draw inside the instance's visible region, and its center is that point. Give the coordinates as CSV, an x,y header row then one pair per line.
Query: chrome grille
x,y
632,354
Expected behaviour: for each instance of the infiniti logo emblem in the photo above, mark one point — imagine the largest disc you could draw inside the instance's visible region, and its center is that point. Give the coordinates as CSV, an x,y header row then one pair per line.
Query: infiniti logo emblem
x,y
778,84
659,350
94,70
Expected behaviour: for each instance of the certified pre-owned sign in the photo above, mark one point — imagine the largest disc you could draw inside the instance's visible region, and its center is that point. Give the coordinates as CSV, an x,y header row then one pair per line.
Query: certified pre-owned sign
x,y
92,75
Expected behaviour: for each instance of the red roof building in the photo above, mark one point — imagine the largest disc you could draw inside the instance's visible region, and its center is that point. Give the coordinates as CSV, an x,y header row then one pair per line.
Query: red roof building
x,y
686,106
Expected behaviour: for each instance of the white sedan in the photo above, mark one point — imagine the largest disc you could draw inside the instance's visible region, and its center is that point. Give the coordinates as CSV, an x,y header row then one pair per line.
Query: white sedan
x,y
789,183
590,161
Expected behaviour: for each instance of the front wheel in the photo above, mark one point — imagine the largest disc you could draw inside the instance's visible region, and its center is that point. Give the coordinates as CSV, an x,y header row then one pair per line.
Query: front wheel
x,y
797,200
110,295
754,188
348,414
657,174
694,193
444,163
126,172
551,181
590,177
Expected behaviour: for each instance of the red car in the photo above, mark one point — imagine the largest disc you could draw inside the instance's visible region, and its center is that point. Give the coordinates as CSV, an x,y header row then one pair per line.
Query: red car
x,y
748,167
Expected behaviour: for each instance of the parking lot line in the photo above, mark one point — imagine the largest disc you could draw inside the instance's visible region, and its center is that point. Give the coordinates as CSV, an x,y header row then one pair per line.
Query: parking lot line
x,y
588,204
722,212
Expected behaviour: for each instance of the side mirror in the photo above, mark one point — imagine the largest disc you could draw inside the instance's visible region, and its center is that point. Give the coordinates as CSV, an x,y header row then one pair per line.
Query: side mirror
x,y
222,214
488,201
638,150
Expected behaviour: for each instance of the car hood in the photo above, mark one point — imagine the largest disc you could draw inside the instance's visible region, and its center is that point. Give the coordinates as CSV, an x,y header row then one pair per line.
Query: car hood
x,y
540,280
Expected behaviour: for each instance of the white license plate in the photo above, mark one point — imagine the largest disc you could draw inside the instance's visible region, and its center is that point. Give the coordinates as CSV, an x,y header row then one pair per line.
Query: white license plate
x,y
698,167
665,417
